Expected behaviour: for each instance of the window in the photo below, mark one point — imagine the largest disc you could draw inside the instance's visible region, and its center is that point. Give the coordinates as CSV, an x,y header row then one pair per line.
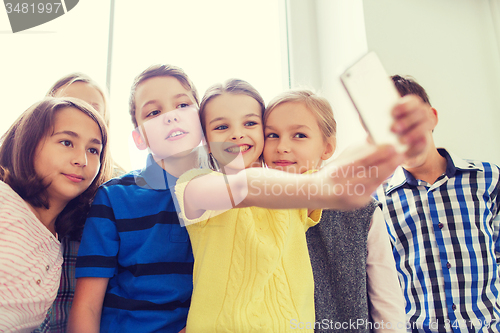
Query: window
x,y
211,40
33,60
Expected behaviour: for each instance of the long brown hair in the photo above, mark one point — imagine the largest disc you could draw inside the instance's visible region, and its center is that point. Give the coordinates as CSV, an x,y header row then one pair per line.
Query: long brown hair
x,y
17,154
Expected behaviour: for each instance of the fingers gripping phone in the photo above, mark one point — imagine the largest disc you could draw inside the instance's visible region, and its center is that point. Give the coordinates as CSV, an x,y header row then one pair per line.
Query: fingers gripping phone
x,y
374,95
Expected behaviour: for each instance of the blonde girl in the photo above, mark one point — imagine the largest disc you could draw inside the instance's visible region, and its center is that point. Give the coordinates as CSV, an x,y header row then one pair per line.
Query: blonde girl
x,y
354,271
52,160
82,86
252,271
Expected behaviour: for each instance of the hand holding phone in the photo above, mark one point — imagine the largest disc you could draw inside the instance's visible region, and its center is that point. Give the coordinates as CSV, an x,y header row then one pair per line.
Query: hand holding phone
x,y
374,95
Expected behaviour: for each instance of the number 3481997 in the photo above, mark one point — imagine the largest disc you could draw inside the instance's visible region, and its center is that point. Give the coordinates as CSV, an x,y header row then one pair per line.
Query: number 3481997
x,y
25,8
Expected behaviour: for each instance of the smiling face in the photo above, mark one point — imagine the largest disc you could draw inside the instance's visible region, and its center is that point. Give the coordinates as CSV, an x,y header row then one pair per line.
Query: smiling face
x,y
167,118
293,140
68,157
233,124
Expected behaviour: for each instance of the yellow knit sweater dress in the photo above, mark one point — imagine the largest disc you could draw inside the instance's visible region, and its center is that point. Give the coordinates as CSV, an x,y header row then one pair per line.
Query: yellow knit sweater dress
x,y
252,271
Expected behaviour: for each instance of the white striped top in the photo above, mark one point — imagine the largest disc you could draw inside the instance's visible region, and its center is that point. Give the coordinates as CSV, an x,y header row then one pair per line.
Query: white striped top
x,y
30,265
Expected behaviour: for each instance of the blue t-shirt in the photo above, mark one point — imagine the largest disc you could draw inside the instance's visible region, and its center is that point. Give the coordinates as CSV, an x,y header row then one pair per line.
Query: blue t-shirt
x,y
133,237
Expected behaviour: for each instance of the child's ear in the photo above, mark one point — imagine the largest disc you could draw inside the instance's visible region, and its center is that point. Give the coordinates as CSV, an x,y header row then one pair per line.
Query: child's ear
x,y
435,117
331,144
139,140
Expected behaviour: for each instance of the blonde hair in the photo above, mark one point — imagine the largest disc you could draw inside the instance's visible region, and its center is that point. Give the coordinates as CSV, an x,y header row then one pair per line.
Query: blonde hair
x,y
318,105
69,79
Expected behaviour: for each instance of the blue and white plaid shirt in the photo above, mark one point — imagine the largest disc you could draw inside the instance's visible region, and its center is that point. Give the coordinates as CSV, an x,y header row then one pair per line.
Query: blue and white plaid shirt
x,y
446,245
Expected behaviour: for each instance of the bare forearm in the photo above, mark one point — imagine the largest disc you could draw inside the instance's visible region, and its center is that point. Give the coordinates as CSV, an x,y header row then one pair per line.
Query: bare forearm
x,y
83,319
280,190
337,186
253,187
85,314
334,187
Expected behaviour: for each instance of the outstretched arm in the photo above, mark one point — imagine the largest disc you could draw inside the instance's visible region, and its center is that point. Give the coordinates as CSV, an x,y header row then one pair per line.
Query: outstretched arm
x,y
346,184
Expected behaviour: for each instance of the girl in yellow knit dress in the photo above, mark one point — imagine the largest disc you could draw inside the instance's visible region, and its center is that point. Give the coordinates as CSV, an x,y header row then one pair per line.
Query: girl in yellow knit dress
x,y
252,271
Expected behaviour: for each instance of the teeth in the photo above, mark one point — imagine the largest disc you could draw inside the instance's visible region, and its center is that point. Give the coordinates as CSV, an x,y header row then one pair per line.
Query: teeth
x,y
175,134
237,149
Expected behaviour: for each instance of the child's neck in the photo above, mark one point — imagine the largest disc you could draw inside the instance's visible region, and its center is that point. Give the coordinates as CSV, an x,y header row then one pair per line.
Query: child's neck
x,y
48,216
232,171
176,166
229,171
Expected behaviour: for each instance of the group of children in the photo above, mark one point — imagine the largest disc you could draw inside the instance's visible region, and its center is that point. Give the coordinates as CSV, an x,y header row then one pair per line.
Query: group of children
x,y
180,246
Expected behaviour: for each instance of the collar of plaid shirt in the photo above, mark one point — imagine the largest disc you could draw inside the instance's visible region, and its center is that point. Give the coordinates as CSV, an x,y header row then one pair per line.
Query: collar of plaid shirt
x,y
453,163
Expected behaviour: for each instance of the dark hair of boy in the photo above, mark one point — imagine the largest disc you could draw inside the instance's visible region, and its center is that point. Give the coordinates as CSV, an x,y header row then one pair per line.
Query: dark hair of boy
x,y
408,86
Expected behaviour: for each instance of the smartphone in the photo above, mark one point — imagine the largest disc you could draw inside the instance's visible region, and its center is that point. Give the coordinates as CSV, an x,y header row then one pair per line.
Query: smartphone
x,y
374,95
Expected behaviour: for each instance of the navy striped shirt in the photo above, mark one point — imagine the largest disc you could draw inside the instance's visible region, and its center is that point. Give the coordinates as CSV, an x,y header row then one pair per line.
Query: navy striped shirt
x,y
133,237
446,245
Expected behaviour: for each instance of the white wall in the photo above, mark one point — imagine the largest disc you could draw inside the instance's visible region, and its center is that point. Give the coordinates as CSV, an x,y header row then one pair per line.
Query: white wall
x,y
451,48
31,61
325,37
211,40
